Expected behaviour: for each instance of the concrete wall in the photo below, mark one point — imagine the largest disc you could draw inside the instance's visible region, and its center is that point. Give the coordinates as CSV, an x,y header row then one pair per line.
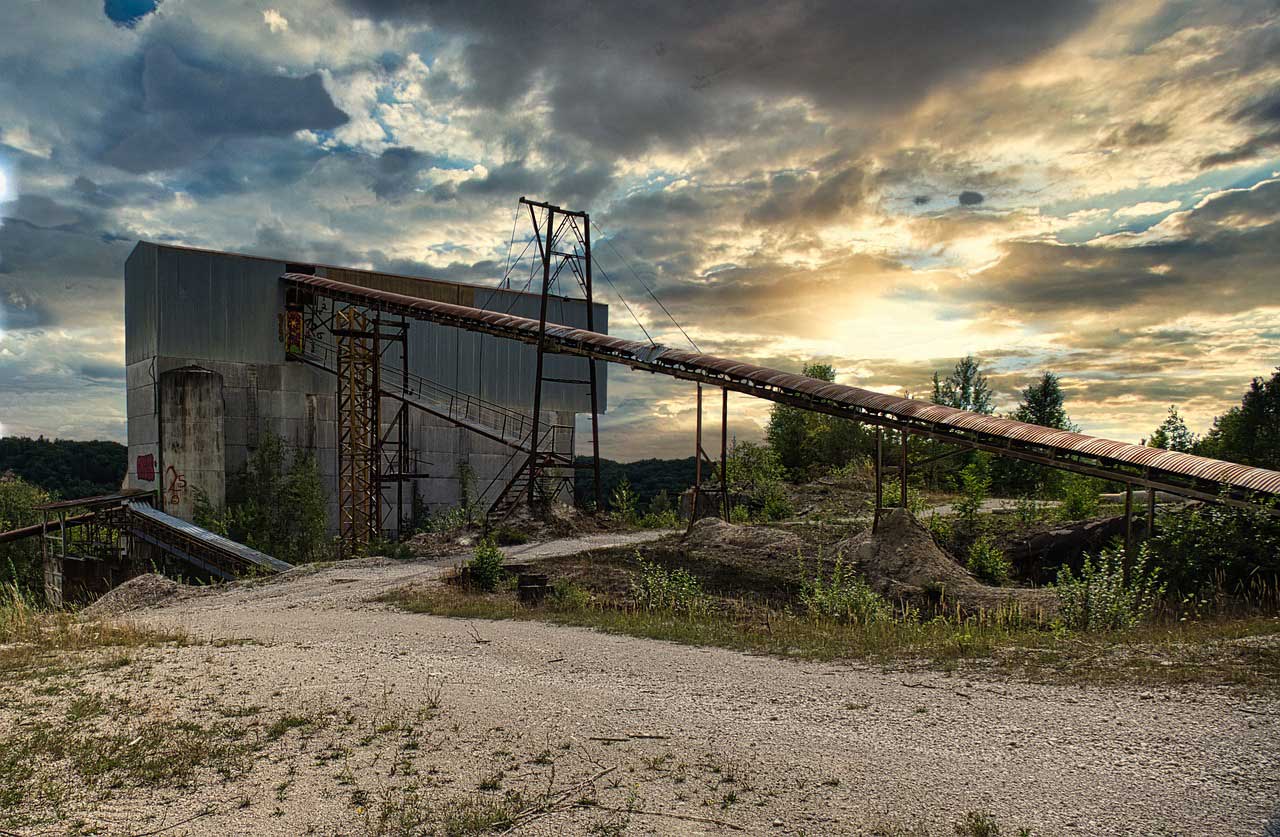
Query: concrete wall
x,y
192,446
220,312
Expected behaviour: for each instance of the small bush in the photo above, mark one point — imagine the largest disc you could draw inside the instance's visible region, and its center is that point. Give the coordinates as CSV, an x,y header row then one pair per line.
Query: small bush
x,y
1101,598
1029,511
1079,497
446,522
987,561
624,503
739,514
569,597
668,519
978,824
657,588
845,596
506,535
975,482
390,549
916,503
486,565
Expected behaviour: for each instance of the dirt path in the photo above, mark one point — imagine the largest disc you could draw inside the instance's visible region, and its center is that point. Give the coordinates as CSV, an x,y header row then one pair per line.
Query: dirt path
x,y
692,736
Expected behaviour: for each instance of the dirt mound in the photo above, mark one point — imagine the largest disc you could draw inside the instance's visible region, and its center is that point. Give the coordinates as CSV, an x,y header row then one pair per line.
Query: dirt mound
x,y
138,592
756,557
902,561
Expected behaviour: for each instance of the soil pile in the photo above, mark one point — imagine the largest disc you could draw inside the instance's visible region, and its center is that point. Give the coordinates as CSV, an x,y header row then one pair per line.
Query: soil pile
x,y
902,561
138,592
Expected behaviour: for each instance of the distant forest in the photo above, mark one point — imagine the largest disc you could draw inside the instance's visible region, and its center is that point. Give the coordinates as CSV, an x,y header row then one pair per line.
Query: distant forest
x,y
648,477
63,467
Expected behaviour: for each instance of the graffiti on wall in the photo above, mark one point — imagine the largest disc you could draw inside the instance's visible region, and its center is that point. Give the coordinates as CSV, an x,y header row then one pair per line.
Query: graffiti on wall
x,y
146,468
176,485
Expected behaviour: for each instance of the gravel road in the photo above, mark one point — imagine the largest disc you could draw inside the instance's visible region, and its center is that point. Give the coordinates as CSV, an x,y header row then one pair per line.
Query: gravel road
x,y
704,740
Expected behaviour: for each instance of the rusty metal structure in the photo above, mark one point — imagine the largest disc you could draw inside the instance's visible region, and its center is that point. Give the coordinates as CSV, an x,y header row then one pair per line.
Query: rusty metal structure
x,y
1134,465
93,543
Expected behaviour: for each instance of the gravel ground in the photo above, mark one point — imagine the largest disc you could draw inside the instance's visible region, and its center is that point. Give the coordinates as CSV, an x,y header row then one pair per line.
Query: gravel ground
x,y
702,740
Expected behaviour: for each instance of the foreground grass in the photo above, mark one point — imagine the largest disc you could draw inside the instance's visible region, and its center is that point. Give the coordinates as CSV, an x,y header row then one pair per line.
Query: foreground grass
x,y
1243,653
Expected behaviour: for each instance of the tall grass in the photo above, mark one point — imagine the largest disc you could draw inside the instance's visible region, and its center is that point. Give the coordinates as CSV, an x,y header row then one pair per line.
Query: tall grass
x,y
29,632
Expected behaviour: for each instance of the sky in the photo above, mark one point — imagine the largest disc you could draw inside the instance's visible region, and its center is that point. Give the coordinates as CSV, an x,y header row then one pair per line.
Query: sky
x,y
885,186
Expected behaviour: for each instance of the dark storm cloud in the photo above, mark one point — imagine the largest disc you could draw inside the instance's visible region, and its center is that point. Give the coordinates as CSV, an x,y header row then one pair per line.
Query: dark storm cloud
x,y
1263,114
185,109
968,198
1219,258
809,198
625,75
572,183
396,170
1137,135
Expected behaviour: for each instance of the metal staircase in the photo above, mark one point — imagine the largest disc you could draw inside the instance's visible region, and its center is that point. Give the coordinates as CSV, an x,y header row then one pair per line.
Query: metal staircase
x,y
495,422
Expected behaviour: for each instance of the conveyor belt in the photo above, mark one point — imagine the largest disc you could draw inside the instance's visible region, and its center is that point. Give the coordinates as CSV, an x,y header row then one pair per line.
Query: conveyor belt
x,y
1179,473
215,554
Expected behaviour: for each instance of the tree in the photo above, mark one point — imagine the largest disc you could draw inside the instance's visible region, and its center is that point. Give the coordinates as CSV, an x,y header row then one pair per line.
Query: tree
x,y
1042,403
965,388
1173,434
1249,434
803,439
20,560
755,473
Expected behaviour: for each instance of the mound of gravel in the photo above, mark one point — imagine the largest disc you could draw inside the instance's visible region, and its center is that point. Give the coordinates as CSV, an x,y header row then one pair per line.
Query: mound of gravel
x,y
138,592
902,561
760,549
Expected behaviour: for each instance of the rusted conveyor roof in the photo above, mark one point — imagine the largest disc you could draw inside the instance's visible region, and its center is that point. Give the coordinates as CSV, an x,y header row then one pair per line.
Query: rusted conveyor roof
x,y
1182,473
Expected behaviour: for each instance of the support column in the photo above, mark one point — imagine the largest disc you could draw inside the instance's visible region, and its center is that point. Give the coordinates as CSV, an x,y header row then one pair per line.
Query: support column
x,y
591,366
549,236
902,472
697,463
1128,520
879,467
724,452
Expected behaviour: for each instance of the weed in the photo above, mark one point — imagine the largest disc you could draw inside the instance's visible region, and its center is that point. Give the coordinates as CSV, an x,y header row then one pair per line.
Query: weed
x,y
1104,597
844,596
978,824
505,535
656,588
486,565
987,561
285,723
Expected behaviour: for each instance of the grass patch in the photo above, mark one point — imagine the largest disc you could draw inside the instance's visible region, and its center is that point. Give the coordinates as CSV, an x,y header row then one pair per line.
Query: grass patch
x,y
33,641
1233,652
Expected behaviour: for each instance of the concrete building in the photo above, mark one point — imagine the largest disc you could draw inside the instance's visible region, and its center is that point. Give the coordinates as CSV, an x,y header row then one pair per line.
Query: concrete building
x,y
207,377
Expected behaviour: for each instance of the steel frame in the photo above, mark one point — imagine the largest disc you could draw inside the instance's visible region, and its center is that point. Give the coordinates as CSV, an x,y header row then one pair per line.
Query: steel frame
x,y
359,420
1184,475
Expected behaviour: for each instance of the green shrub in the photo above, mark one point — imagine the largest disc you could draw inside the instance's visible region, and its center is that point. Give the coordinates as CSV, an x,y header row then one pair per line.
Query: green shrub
x,y
445,522
987,561
506,535
739,514
668,519
916,503
485,565
1079,497
1101,598
1209,548
1029,511
845,596
975,488
756,474
569,597
657,588
624,503
276,503
391,549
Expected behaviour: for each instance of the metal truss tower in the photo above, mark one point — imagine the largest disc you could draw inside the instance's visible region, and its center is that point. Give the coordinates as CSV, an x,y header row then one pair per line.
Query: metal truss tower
x,y
359,421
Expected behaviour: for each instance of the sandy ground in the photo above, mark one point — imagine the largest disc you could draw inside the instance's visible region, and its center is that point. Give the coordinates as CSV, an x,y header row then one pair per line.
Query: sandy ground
x,y
693,740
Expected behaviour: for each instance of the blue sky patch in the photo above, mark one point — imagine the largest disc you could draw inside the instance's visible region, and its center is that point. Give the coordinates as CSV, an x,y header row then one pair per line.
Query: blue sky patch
x,y
129,12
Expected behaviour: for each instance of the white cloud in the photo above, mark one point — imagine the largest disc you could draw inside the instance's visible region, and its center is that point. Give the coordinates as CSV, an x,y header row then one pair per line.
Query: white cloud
x,y
1146,208
275,21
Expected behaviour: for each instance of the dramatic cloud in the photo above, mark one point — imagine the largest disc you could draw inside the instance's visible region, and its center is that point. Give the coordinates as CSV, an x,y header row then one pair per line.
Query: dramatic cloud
x,y
1092,188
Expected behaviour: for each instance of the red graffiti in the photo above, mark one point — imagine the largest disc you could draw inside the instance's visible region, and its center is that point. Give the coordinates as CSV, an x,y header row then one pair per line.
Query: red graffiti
x,y
146,468
177,484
